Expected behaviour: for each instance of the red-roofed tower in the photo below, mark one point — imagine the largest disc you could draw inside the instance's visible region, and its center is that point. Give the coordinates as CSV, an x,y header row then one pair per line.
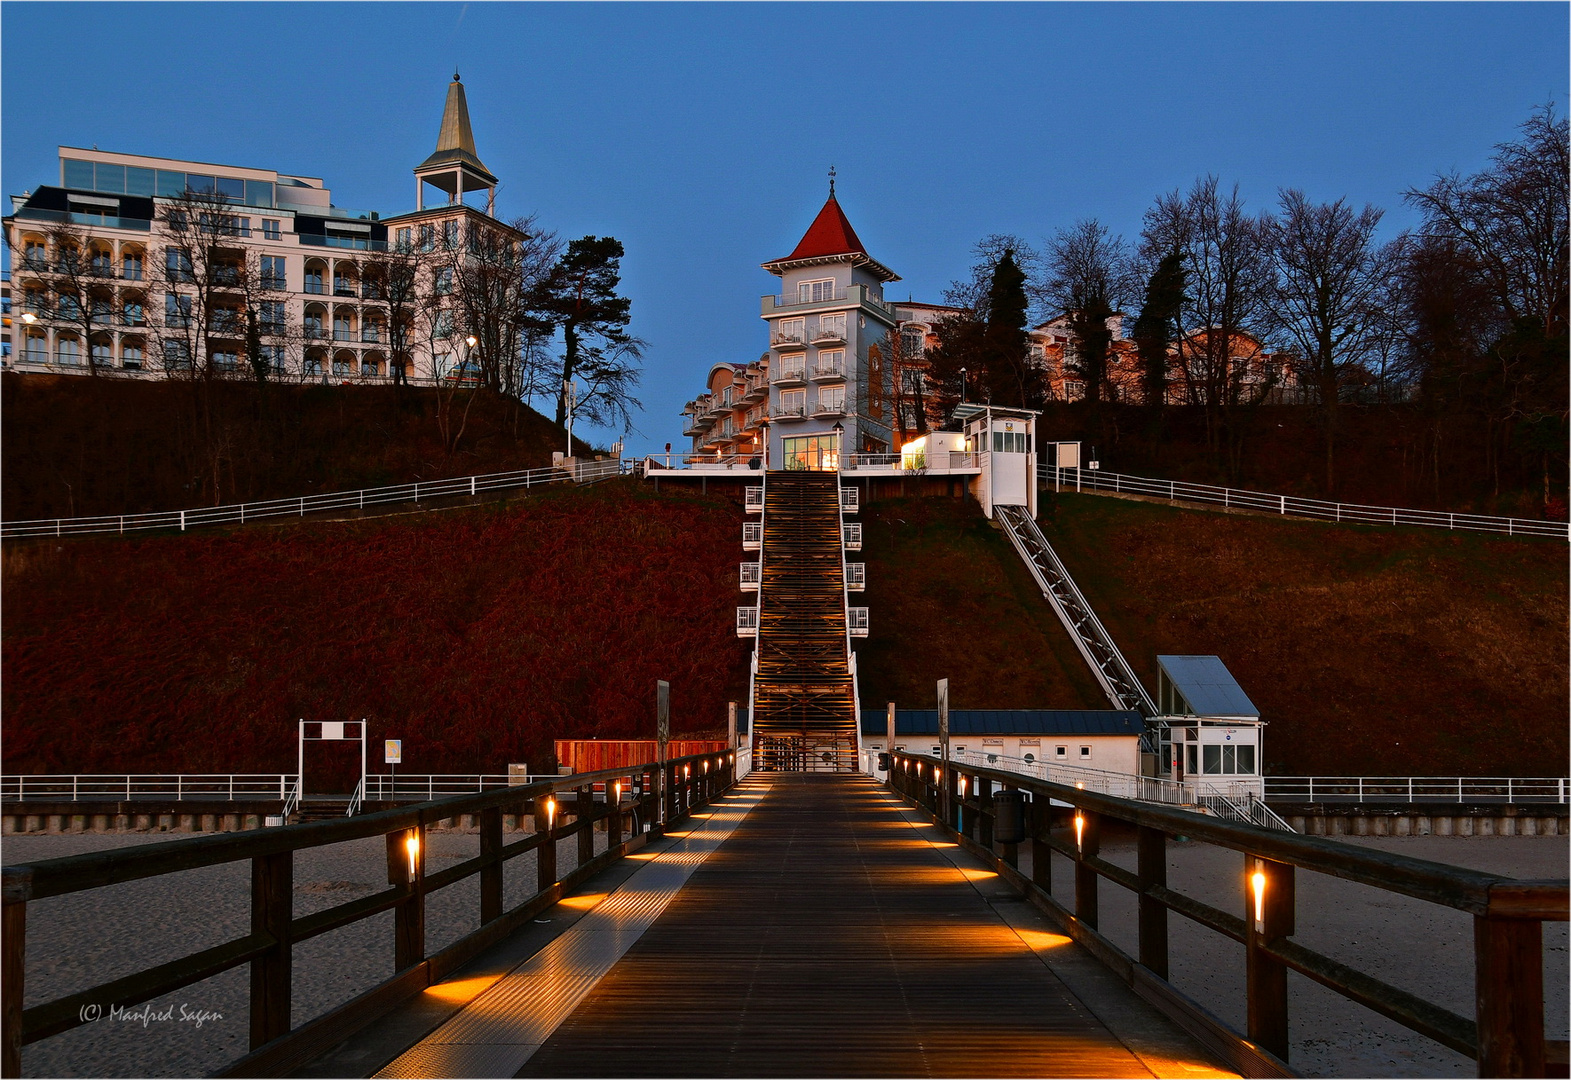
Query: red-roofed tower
x,y
829,377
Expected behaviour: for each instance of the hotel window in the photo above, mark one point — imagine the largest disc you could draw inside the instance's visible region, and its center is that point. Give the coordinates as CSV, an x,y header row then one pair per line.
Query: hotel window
x,y
177,263
177,310
271,317
272,358
450,234
831,362
313,280
273,274
442,283
403,239
225,360
176,356
442,325
832,326
791,366
790,331
912,342
270,229
427,237
34,257
831,399
131,357
793,402
133,313
131,267
814,292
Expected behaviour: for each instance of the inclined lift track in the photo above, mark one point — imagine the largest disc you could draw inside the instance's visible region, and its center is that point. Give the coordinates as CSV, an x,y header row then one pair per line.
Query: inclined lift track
x,y
1096,645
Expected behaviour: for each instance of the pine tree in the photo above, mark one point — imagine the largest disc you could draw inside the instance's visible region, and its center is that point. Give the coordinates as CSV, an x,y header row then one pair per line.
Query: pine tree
x,y
1009,379
1155,326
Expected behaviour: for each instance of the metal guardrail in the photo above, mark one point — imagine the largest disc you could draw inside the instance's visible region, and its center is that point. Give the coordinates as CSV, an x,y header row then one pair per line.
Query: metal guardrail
x,y
1505,1033
243,513
130,787
1107,663
1418,789
1293,506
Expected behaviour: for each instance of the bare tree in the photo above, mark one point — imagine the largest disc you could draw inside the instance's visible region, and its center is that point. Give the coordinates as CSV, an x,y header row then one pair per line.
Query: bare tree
x,y
391,283
79,272
1089,279
1328,296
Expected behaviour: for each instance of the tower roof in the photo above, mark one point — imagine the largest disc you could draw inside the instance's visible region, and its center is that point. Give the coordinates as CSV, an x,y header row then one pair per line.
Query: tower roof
x,y
455,143
831,238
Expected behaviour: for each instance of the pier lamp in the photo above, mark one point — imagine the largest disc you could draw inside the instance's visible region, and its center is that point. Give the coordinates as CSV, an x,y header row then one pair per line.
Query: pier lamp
x,y
550,813
1080,829
1257,888
963,779
412,847
617,788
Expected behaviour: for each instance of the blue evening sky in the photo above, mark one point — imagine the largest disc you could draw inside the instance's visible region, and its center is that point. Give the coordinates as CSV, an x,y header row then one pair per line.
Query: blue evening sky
x,y
701,134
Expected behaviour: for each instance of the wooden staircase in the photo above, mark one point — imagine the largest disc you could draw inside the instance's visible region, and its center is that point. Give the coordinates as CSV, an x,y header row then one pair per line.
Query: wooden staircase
x,y
804,707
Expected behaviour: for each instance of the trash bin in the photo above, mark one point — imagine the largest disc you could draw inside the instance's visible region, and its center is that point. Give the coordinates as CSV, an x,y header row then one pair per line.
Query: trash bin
x,y
884,763
1009,816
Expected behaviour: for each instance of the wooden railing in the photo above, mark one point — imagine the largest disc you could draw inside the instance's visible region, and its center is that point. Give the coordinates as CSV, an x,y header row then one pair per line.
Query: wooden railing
x,y
1505,1036
658,795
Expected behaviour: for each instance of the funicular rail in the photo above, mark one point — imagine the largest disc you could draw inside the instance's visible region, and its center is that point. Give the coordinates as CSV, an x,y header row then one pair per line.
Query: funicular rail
x,y
1505,1036
1096,645
659,794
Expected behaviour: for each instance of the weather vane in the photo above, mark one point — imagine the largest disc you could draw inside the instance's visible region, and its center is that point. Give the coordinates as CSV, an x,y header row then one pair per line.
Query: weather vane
x,y
831,181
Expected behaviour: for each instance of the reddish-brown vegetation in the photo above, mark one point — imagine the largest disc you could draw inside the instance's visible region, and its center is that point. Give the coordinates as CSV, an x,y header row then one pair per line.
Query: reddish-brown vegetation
x,y
77,447
1369,651
476,635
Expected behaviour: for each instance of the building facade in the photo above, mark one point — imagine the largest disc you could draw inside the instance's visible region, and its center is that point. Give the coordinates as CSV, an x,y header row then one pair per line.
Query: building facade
x,y
154,267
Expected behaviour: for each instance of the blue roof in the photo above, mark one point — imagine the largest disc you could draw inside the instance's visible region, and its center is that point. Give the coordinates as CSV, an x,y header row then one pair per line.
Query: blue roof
x,y
1207,686
1007,722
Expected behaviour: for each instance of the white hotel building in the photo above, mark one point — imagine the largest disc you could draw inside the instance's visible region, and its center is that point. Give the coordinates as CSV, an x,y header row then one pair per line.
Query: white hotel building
x,y
288,256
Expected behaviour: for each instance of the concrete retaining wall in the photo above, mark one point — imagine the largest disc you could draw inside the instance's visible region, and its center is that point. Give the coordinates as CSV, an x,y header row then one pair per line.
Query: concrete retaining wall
x,y
1384,819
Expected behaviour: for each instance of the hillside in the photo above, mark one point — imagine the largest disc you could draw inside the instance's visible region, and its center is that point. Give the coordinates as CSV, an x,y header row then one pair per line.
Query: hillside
x,y
1370,651
949,598
475,635
76,446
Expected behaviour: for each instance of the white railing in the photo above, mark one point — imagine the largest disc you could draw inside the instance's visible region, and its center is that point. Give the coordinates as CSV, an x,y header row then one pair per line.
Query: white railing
x,y
752,576
1242,805
1418,789
1123,785
241,513
753,498
752,535
1291,505
851,535
747,622
856,621
423,787
850,500
178,787
856,577
291,802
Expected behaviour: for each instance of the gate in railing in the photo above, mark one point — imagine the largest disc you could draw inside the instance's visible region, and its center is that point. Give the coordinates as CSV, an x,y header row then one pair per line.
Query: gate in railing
x,y
1505,1035
642,796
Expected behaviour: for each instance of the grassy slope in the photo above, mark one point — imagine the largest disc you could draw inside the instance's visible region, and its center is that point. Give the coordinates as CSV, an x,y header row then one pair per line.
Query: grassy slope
x,y
949,598
76,446
1369,651
475,635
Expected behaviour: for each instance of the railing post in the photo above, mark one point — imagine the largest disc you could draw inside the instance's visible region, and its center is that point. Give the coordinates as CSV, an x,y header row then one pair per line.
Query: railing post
x,y
272,909
545,854
613,823
1089,844
13,967
1509,967
1151,867
1268,894
984,819
409,913
491,873
1041,853
584,811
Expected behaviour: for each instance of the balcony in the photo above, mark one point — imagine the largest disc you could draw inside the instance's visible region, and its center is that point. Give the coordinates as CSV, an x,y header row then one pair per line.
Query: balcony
x,y
752,574
753,535
856,295
753,500
851,535
371,336
856,577
785,340
850,500
315,333
832,333
835,406
833,372
358,243
856,621
693,425
747,622
315,287
343,333
788,413
757,389
794,375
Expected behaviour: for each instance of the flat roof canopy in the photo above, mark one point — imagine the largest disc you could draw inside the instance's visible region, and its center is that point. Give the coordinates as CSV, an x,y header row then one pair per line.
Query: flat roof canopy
x,y
1206,686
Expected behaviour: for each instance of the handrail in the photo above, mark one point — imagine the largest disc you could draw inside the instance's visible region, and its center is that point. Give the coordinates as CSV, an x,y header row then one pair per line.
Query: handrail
x,y
241,513
1293,506
679,786
1506,1034
1419,789
20,787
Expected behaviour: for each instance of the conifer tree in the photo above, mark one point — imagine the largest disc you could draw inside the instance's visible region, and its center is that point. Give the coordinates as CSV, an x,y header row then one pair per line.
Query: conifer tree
x,y
1154,328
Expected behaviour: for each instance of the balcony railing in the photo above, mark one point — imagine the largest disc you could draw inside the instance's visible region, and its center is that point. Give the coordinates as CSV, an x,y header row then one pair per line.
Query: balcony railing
x,y
343,334
371,336
747,622
788,300
833,334
831,407
357,243
753,499
851,535
315,333
829,371
752,535
752,573
315,288
790,340
856,576
856,621
789,412
794,374
102,221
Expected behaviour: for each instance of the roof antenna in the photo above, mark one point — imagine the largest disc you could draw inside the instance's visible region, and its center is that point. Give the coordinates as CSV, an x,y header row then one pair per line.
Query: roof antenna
x,y
831,181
